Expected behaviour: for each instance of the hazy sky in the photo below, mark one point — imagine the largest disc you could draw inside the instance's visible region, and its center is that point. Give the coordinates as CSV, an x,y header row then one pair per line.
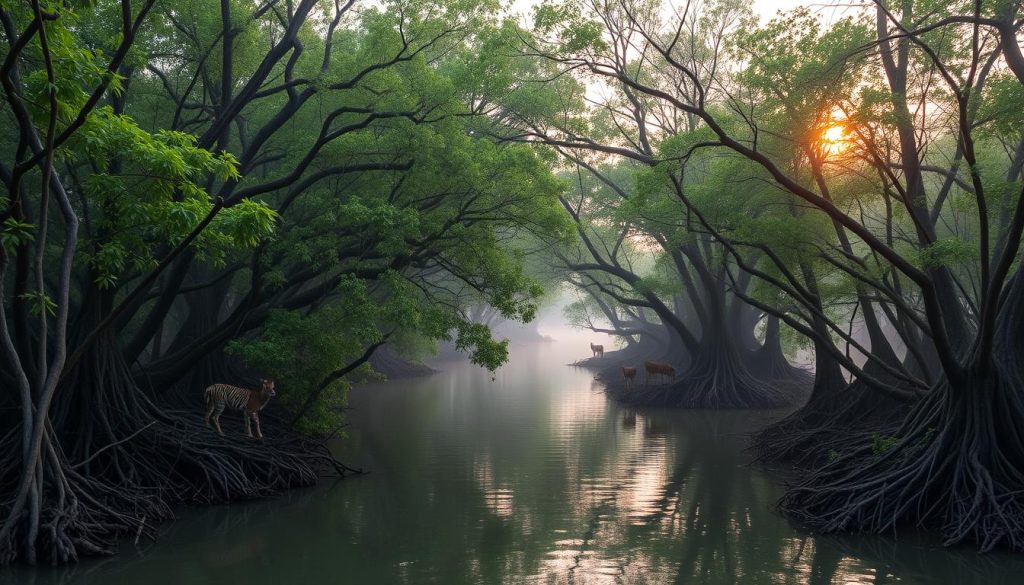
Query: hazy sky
x,y
765,8
768,8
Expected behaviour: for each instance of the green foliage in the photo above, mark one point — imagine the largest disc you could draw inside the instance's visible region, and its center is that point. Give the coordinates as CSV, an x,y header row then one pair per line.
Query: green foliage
x,y
76,69
947,252
411,248
40,302
302,350
14,233
574,33
140,189
476,339
800,70
152,192
1003,105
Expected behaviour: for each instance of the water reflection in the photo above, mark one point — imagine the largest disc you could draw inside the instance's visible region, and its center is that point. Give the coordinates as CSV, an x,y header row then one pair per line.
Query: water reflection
x,y
532,478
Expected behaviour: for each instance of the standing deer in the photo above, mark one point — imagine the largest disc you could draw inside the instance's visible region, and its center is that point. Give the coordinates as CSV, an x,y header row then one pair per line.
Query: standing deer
x,y
628,372
597,349
250,402
660,369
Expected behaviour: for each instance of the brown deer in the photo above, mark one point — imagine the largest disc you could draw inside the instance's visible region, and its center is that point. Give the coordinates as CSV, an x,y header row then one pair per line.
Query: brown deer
x,y
629,372
597,349
660,369
250,402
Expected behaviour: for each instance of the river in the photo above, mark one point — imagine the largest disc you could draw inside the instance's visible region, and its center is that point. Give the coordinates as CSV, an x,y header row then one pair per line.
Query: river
x,y
530,477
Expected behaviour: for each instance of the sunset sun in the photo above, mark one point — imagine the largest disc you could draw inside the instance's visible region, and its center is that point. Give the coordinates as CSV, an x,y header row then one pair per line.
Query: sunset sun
x,y
834,140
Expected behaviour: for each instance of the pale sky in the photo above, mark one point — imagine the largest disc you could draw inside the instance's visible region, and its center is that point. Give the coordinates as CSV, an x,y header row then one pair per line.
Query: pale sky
x,y
768,8
764,8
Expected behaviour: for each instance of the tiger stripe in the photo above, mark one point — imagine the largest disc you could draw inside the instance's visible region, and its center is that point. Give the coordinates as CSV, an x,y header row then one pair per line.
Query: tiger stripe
x,y
221,396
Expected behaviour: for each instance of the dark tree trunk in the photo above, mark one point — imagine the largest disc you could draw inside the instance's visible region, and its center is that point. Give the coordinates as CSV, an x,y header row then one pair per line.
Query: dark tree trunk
x,y
768,362
797,438
195,358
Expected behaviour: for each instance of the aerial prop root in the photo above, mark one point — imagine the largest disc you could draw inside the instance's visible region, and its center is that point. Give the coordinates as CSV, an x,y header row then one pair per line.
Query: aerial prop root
x,y
827,426
955,466
169,459
73,514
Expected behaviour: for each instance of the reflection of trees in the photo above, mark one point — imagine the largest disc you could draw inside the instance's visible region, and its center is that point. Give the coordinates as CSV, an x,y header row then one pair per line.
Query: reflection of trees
x,y
219,544
54,575
918,561
712,513
824,564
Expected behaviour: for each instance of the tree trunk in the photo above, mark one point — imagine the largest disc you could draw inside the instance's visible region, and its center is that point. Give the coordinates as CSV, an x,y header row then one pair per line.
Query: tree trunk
x,y
768,362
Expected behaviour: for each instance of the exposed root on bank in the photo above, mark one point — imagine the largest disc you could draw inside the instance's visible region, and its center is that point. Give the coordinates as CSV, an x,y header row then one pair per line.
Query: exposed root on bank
x,y
713,388
717,378
956,465
127,488
826,427
114,463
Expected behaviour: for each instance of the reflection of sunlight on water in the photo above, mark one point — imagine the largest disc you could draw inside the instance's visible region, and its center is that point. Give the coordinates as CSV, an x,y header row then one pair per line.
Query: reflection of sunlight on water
x,y
643,493
854,572
497,498
575,412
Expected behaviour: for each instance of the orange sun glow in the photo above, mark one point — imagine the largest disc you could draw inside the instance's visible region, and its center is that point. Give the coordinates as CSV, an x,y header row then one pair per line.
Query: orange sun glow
x,y
834,140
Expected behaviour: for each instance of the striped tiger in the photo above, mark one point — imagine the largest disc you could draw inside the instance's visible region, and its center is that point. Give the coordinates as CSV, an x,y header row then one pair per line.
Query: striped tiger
x,y
219,396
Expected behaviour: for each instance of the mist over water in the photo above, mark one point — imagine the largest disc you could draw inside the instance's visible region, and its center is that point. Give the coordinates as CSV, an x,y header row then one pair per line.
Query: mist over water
x,y
532,477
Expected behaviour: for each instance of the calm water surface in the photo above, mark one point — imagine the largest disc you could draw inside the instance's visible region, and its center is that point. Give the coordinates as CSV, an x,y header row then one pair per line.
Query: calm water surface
x,y
533,477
